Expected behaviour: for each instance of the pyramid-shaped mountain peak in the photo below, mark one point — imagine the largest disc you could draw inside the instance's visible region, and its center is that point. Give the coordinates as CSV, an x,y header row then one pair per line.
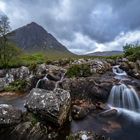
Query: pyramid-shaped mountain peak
x,y
33,37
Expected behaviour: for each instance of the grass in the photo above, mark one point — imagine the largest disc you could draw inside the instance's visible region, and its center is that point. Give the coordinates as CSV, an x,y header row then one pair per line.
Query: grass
x,y
16,86
32,59
82,70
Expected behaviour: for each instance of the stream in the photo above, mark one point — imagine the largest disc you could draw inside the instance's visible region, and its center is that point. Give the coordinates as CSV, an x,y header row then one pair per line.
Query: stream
x,y
124,125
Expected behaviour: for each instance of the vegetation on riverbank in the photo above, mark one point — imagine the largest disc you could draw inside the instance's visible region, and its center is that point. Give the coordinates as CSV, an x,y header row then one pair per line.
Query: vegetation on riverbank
x,y
132,51
16,86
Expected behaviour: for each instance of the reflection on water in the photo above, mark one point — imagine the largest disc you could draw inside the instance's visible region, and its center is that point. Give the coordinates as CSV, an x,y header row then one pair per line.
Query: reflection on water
x,y
123,126
15,100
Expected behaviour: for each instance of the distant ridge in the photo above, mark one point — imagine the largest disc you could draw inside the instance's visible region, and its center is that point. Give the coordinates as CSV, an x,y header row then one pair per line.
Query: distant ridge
x,y
105,53
34,38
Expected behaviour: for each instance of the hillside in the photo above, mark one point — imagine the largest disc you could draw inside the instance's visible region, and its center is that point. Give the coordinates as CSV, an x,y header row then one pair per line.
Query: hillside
x,y
34,38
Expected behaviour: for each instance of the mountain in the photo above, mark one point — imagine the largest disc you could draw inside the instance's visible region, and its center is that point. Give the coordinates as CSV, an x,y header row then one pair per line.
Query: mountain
x,y
34,38
105,53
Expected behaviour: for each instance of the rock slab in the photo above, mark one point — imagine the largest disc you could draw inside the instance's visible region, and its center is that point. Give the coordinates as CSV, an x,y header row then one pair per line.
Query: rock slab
x,y
52,106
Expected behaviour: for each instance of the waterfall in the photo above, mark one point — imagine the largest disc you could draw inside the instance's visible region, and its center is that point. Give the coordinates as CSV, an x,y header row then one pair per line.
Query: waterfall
x,y
62,77
118,71
43,79
123,96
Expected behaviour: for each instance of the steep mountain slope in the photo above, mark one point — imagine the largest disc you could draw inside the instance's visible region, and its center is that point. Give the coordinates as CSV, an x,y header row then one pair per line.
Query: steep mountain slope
x,y
33,37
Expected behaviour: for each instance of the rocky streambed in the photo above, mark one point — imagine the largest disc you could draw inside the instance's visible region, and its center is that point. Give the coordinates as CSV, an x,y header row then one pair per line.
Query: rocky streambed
x,y
55,106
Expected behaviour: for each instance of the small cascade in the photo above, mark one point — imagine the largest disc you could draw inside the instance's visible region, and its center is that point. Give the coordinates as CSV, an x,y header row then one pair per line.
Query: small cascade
x,y
123,96
43,79
62,77
118,71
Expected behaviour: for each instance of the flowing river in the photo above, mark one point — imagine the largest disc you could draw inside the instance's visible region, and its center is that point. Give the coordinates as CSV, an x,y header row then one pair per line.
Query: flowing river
x,y
124,125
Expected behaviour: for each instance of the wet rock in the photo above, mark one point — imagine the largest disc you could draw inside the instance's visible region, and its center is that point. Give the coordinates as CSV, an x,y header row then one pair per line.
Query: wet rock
x,y
101,106
90,88
131,68
109,113
85,135
28,131
53,77
55,73
79,113
9,115
52,106
46,84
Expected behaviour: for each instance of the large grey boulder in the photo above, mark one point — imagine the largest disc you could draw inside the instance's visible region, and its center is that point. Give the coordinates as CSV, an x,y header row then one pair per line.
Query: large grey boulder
x,y
9,115
52,106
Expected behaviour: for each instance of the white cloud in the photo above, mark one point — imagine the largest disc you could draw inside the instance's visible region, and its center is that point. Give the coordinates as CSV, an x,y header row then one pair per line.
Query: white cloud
x,y
83,44
82,26
2,6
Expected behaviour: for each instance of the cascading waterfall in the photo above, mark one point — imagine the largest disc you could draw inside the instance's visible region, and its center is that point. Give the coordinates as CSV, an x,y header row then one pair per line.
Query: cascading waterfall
x,y
122,96
43,79
62,77
118,71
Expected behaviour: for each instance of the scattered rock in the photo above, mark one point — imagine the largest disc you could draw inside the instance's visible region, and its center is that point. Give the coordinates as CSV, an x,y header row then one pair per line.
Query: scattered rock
x,y
84,135
79,113
90,88
9,115
52,106
109,113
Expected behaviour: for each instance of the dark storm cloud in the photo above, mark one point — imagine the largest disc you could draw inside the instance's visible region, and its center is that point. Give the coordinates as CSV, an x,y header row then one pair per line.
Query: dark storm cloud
x,y
83,25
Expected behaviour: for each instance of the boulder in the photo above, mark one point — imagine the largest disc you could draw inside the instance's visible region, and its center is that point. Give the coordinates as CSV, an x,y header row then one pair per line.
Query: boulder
x,y
99,66
47,85
29,131
131,68
19,73
41,69
55,72
90,88
52,106
79,113
9,115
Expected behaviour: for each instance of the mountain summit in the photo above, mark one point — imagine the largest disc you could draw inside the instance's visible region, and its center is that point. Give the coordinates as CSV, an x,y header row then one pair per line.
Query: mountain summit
x,y
33,37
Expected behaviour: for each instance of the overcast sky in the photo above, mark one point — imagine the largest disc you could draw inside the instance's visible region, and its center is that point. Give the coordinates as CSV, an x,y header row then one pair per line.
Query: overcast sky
x,y
81,25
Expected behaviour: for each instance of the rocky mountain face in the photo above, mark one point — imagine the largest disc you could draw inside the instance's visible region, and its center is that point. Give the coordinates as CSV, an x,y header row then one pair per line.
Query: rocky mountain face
x,y
106,53
33,37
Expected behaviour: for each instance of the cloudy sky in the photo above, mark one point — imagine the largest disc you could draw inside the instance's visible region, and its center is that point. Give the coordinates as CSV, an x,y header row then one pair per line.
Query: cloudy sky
x,y
81,25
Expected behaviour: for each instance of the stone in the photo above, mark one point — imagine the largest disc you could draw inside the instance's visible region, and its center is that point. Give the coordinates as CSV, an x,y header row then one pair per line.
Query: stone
x,y
99,66
41,69
109,113
9,115
78,112
86,135
52,106
88,88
